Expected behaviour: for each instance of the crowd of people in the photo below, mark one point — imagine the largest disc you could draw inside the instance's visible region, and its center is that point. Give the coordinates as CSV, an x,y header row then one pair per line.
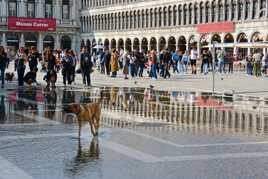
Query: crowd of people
x,y
132,63
159,64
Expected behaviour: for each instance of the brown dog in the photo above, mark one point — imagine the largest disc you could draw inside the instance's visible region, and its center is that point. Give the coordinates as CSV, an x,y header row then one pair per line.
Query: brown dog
x,y
88,112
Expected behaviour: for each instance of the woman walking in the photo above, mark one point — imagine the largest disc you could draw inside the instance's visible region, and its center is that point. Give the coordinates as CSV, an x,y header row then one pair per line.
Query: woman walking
x,y
114,63
3,64
20,66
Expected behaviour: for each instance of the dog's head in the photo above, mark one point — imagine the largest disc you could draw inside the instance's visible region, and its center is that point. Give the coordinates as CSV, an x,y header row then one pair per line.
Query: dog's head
x,y
73,108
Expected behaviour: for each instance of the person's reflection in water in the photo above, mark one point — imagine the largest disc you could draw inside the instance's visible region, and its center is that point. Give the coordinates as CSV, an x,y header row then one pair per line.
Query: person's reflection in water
x,y
113,95
86,97
3,117
85,158
30,95
50,101
68,97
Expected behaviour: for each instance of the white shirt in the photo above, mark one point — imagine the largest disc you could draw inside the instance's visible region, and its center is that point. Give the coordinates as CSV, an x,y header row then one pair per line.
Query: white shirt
x,y
194,54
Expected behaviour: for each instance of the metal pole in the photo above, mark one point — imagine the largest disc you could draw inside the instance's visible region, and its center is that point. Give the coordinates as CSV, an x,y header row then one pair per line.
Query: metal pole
x,y
213,68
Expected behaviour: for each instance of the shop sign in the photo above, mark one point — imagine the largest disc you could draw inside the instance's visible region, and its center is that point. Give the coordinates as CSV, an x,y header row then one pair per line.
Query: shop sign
x,y
31,24
216,27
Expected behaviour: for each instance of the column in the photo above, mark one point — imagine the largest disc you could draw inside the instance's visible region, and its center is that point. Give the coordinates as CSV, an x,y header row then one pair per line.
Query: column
x,y
157,44
182,16
22,9
224,10
251,10
258,9
4,41
40,9
266,8
237,9
217,12
57,10
74,42
22,42
57,42
4,8
40,42
74,12
244,11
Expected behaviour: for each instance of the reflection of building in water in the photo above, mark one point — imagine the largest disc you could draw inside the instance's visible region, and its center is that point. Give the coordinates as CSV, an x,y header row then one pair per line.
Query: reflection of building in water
x,y
203,112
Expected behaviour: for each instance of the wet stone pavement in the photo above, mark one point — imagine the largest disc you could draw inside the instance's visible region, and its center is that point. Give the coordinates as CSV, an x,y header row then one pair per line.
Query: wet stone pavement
x,y
144,134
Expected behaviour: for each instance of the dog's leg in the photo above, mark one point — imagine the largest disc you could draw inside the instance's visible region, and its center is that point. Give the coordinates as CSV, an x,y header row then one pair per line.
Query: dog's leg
x,y
79,129
92,127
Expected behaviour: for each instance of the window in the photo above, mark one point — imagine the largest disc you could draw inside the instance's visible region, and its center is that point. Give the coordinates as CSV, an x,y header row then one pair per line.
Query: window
x,y
30,8
65,9
12,8
48,9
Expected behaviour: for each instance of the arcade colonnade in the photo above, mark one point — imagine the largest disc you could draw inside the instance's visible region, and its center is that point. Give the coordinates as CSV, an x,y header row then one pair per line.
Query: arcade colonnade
x,y
179,42
171,15
144,25
41,40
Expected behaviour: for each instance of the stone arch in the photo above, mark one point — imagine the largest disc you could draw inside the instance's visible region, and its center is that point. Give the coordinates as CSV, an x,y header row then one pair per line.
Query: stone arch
x,y
66,42
12,40
128,45
242,38
204,41
216,38
113,44
162,43
153,43
192,43
136,44
182,44
229,39
100,42
144,45
49,42
121,44
172,43
106,44
256,37
30,40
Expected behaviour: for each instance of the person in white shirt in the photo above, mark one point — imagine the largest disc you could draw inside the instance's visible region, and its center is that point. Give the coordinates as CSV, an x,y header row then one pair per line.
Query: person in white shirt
x,y
193,59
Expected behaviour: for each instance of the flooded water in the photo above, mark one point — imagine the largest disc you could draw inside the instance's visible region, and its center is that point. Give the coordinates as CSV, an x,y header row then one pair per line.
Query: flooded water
x,y
143,133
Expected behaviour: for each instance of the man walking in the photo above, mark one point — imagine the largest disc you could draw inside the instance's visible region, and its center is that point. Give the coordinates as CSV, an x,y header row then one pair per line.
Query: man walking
x,y
86,66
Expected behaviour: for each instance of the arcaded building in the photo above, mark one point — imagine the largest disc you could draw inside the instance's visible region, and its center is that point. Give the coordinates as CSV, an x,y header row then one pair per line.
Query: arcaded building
x,y
41,23
173,24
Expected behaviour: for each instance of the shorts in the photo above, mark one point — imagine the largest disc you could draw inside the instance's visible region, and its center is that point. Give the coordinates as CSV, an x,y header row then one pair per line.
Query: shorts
x,y
193,62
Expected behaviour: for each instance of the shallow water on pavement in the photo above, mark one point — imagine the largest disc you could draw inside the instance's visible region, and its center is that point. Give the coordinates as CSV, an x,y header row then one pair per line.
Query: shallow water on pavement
x,y
141,130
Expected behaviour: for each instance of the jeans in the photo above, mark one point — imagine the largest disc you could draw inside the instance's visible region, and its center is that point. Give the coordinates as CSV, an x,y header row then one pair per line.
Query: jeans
x,y
153,71
176,67
3,75
20,73
141,67
86,78
132,70
180,67
184,67
221,66
205,68
66,73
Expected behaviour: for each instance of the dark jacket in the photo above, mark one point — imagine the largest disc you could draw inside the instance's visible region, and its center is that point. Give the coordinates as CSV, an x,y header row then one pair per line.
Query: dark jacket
x,y
33,59
85,61
3,61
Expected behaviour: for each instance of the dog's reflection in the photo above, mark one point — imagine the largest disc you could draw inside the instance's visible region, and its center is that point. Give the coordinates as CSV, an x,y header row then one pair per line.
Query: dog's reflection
x,y
85,157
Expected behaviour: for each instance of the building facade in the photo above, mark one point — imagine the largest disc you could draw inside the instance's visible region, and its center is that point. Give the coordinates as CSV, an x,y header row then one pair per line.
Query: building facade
x,y
41,23
174,24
